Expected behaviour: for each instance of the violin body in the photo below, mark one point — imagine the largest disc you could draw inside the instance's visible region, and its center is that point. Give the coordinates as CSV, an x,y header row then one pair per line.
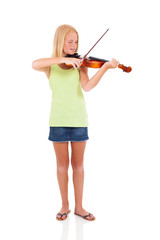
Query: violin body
x,y
93,62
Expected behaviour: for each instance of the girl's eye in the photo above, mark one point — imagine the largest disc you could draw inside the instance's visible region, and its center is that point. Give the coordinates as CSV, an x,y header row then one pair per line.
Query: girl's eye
x,y
71,42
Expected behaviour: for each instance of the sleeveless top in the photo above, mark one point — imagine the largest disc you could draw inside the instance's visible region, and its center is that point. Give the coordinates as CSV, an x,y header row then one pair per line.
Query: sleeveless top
x,y
68,107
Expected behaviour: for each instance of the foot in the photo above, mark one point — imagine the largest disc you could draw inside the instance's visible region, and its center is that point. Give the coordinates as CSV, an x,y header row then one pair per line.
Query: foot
x,y
81,212
63,213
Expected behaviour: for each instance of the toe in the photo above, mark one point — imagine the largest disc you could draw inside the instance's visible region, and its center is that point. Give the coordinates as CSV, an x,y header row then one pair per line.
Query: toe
x,y
64,217
91,216
58,217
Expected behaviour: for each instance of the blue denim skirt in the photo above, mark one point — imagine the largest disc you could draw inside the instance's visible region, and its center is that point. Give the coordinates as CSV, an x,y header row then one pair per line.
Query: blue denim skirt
x,y
65,134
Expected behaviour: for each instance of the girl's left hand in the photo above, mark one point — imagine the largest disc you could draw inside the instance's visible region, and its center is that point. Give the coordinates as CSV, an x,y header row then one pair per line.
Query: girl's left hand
x,y
112,64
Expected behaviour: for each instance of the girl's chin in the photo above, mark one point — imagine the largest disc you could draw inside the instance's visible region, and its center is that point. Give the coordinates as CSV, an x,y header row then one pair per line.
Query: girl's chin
x,y
69,53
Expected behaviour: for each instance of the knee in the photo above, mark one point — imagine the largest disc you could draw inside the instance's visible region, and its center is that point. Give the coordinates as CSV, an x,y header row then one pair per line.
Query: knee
x,y
62,169
63,166
77,165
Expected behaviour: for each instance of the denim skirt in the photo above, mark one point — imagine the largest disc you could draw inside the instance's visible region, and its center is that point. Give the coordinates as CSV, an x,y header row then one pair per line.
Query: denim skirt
x,y
65,134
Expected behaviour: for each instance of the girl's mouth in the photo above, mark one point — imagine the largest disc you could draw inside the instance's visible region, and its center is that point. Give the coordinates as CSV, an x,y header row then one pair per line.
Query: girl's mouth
x,y
72,49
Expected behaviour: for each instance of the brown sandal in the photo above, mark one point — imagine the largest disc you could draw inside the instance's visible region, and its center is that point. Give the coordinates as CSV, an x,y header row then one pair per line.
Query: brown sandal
x,y
85,217
61,215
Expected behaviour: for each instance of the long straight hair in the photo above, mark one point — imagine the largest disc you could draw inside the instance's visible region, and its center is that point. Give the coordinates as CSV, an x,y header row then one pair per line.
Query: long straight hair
x,y
59,38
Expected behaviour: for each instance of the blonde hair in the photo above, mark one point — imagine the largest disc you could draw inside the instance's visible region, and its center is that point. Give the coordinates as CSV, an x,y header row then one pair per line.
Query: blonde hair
x,y
59,38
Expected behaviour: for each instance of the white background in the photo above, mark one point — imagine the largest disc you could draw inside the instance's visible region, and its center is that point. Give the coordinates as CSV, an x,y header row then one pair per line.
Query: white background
x,y
122,156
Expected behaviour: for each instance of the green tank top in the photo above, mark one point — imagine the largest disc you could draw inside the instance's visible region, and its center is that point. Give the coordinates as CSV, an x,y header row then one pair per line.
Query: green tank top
x,y
68,107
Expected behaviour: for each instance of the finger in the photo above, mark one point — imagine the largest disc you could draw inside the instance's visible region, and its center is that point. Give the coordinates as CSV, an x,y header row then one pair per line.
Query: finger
x,y
117,63
74,62
78,63
74,66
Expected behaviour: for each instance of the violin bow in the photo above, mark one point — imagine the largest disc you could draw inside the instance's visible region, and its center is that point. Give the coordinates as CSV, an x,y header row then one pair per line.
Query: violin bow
x,y
95,44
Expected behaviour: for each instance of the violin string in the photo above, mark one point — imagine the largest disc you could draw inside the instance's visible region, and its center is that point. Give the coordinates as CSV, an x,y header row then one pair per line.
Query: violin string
x,y
95,44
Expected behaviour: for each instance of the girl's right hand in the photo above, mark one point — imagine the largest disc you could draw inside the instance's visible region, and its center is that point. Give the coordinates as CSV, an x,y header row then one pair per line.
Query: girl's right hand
x,y
75,62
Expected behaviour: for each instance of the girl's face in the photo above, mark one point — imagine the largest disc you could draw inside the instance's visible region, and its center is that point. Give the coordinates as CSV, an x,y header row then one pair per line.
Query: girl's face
x,y
70,43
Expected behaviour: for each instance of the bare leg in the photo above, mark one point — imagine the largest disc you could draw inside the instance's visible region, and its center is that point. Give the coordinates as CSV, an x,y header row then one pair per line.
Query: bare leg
x,y
62,156
77,156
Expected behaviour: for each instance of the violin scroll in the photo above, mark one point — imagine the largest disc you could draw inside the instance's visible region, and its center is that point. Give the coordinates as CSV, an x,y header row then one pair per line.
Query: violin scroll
x,y
124,68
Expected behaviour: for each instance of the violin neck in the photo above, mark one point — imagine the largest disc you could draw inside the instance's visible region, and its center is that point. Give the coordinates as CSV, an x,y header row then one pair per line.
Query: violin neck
x,y
98,59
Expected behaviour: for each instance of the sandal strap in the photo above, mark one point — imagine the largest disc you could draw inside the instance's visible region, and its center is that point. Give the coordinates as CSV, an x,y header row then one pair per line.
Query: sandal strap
x,y
89,215
62,214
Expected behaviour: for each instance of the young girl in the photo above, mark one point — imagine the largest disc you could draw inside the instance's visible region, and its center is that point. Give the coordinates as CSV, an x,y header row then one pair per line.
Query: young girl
x,y
68,117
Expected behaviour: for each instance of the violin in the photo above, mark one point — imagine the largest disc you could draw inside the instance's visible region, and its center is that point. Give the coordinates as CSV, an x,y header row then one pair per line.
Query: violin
x,y
93,62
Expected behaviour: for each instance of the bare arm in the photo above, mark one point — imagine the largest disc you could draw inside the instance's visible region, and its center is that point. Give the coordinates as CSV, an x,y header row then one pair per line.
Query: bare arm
x,y
87,84
43,64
